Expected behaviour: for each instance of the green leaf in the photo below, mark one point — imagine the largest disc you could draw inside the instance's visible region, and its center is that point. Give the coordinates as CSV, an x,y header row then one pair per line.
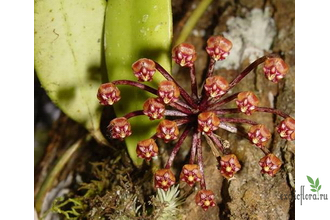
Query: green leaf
x,y
315,185
68,48
309,180
137,29
317,181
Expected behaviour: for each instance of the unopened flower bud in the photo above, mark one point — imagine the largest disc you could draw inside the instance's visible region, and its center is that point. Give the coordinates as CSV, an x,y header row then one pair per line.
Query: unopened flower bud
x,y
218,47
144,69
216,86
184,54
108,94
167,130
153,109
147,149
247,102
208,122
168,91
119,128
275,69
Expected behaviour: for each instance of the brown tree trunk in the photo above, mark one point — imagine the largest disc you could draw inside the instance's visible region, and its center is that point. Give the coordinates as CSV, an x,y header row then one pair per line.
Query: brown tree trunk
x,y
250,195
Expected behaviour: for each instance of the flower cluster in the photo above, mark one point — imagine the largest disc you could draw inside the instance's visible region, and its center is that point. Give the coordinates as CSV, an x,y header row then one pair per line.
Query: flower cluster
x,y
199,113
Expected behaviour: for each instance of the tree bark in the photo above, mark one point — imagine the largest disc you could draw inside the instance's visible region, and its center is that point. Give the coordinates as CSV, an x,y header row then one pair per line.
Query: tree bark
x,y
250,195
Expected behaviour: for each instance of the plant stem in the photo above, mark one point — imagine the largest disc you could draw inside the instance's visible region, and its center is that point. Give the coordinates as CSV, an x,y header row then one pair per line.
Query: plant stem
x,y
192,20
211,67
200,160
214,149
133,114
227,127
175,113
264,150
54,173
167,113
183,105
154,137
238,120
217,142
183,108
181,121
223,101
177,147
136,84
194,91
183,92
246,71
227,111
204,99
193,148
273,111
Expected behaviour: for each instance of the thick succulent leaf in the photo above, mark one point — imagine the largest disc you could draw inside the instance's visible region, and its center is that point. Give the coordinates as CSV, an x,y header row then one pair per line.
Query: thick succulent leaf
x,y
137,29
68,48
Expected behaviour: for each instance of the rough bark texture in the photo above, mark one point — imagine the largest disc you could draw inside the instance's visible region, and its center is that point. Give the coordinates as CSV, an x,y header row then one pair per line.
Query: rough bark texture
x,y
251,195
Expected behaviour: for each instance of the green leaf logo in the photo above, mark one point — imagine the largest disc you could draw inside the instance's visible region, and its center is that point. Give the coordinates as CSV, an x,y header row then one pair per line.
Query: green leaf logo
x,y
315,185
